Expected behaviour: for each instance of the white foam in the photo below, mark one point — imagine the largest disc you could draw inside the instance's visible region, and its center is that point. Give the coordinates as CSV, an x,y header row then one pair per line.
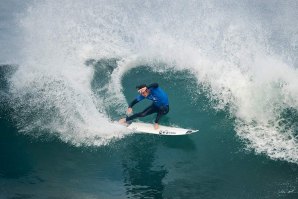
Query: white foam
x,y
53,74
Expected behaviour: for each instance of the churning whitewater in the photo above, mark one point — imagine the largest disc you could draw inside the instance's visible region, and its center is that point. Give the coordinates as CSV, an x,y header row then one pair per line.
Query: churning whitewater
x,y
244,58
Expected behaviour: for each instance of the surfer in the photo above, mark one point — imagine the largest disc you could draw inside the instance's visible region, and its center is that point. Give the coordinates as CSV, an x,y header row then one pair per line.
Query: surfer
x,y
160,103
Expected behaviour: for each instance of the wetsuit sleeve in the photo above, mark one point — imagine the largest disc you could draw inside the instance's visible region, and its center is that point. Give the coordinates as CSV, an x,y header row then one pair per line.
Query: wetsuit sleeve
x,y
136,100
133,103
153,85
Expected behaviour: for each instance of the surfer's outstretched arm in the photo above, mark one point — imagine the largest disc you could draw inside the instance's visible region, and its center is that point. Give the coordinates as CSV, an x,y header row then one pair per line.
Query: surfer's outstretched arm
x,y
136,100
133,103
129,109
148,111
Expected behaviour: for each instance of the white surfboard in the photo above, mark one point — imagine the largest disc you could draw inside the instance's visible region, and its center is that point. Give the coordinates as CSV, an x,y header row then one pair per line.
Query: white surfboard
x,y
162,130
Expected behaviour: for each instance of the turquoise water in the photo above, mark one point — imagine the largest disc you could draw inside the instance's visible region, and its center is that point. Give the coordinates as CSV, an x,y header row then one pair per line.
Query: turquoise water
x,y
229,69
208,164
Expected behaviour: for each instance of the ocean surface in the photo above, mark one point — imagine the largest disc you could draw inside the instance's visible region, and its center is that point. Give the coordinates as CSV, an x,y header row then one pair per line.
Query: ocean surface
x,y
68,69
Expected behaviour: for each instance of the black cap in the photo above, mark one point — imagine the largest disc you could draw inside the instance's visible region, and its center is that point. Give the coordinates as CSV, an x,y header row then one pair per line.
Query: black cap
x,y
141,86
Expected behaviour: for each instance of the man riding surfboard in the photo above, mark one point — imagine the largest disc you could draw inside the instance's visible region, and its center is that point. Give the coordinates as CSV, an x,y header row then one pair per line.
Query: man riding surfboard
x,y
160,103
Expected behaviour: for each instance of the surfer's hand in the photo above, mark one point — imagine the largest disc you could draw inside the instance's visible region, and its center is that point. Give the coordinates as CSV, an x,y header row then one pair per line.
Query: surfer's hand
x,y
129,111
156,126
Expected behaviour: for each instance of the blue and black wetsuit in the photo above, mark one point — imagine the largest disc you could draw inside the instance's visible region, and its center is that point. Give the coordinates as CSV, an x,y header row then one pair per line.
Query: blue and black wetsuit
x,y
160,103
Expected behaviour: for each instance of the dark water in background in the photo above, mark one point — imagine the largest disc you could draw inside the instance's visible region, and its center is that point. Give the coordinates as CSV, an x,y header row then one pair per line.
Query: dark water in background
x,y
66,75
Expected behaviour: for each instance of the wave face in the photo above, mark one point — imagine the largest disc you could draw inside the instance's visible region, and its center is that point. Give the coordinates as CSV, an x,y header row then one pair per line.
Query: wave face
x,y
243,54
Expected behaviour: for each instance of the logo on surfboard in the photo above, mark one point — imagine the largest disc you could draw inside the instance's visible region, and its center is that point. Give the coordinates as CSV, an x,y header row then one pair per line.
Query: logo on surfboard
x,y
166,132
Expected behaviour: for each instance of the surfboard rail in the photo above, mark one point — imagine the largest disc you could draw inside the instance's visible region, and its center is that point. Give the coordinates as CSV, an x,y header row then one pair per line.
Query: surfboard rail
x,y
162,130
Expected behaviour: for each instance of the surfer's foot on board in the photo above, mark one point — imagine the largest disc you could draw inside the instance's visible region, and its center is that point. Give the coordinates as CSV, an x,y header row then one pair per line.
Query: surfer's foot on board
x,y
123,121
